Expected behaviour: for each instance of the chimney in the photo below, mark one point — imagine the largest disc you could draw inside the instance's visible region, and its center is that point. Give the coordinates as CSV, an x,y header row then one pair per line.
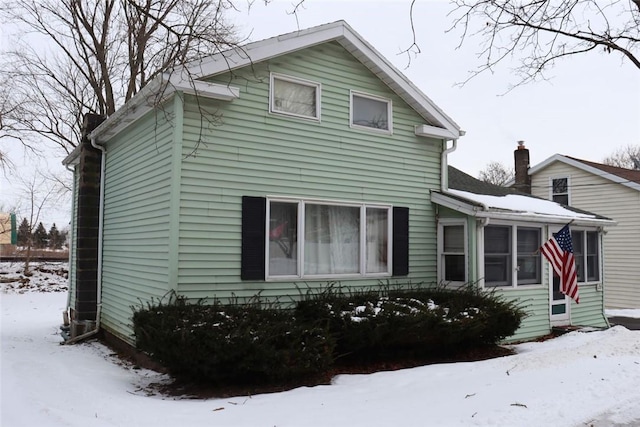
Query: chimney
x,y
523,180
87,223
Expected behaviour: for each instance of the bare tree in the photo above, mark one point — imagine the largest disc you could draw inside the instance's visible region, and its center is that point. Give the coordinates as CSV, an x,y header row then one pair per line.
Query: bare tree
x,y
37,193
541,32
496,173
91,56
626,157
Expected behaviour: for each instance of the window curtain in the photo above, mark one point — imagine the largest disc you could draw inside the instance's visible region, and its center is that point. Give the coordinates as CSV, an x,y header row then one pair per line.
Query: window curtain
x,y
332,239
294,98
377,240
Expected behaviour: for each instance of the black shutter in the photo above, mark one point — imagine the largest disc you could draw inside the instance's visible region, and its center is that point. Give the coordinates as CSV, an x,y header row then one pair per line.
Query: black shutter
x,y
400,241
254,214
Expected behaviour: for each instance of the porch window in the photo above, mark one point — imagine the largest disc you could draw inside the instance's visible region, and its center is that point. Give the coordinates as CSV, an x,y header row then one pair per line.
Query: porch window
x,y
560,190
453,258
587,255
509,245
372,112
295,97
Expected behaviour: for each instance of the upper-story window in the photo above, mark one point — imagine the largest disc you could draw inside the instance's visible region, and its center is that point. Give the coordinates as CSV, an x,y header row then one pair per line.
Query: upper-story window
x,y
371,112
294,97
560,190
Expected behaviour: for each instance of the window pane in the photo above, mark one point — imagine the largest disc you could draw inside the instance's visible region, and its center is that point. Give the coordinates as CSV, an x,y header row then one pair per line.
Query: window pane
x,y
453,238
529,263
332,239
283,237
577,240
294,98
560,185
454,268
369,112
593,264
561,198
377,240
497,258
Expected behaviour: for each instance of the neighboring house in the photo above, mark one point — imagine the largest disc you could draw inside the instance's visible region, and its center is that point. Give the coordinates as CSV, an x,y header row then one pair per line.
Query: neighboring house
x,y
610,191
290,162
491,235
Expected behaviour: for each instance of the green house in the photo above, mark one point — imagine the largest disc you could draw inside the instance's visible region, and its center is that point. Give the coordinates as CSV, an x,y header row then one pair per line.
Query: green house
x,y
291,162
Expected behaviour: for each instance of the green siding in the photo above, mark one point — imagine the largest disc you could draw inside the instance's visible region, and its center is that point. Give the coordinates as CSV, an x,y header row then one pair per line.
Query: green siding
x,y
71,298
136,219
255,153
535,302
590,311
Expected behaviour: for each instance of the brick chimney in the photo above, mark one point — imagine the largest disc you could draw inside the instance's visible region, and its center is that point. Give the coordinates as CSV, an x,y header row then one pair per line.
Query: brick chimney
x,y
87,224
523,180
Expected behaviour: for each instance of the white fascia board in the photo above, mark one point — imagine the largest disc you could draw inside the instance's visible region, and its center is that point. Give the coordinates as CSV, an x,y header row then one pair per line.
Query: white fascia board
x,y
435,132
454,203
154,94
73,158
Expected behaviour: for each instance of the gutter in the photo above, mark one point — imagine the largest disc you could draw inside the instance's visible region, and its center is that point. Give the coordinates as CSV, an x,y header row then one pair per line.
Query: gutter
x,y
96,329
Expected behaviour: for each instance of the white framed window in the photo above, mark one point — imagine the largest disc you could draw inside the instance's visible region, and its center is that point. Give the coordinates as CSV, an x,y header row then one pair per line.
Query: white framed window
x,y
511,256
317,238
560,190
295,97
371,112
452,247
586,250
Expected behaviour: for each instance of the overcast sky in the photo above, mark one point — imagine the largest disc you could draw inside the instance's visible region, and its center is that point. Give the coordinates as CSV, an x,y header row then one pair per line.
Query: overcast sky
x,y
589,108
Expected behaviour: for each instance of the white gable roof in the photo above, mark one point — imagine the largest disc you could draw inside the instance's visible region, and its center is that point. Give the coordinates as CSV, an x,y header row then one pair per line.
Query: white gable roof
x,y
585,167
339,32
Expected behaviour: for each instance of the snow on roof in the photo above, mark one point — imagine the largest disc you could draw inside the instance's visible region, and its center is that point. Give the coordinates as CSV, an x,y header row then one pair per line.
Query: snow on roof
x,y
525,207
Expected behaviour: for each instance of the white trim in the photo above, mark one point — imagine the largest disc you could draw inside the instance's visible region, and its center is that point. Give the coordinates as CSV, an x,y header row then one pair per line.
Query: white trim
x,y
434,132
389,130
301,203
303,82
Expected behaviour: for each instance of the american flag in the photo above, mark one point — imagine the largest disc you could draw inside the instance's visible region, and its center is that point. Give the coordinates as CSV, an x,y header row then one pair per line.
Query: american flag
x,y
559,251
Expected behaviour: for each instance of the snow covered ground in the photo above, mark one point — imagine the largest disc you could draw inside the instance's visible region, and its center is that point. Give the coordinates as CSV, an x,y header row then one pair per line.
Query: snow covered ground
x,y
579,379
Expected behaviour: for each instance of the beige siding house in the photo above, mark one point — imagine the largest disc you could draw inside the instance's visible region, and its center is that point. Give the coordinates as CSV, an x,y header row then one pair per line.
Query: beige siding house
x,y
610,191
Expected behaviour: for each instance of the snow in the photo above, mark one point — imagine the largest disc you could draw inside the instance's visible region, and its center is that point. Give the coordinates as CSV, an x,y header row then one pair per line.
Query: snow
x,y
521,204
578,379
623,312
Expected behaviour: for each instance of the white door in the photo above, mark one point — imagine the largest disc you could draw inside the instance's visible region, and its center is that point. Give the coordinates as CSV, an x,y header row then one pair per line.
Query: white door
x,y
560,304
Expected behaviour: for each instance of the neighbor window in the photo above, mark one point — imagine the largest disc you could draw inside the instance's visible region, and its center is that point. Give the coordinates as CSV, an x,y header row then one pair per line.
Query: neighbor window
x,y
294,97
368,111
506,246
587,255
560,190
453,259
308,238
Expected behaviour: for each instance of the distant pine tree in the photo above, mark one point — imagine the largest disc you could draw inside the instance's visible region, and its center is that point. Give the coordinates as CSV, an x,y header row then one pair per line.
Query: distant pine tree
x,y
40,237
55,239
24,233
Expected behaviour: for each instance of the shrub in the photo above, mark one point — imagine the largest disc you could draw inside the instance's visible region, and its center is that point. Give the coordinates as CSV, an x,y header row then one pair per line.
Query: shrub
x,y
422,320
231,343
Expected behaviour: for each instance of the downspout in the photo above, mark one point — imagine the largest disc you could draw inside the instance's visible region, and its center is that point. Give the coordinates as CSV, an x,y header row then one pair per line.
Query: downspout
x,y
96,329
444,169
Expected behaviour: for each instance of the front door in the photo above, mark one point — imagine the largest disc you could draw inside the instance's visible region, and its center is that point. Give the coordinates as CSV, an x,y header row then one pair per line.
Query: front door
x,y
559,305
